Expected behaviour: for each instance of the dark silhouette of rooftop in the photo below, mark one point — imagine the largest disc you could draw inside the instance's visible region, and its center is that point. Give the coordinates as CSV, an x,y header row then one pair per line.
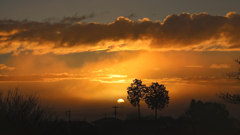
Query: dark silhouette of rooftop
x,y
106,120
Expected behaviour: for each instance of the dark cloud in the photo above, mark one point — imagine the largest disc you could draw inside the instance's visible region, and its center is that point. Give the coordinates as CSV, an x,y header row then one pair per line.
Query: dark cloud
x,y
176,31
69,20
131,16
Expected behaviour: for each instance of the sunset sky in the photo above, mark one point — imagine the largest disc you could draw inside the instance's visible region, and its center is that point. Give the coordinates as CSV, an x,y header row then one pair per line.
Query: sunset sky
x,y
82,55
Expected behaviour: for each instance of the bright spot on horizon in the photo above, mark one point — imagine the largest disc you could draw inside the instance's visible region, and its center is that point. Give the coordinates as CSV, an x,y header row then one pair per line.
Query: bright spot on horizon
x,y
120,100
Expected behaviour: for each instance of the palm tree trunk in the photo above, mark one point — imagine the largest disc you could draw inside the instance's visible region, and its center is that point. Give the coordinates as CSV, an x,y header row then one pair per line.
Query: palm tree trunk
x,y
139,124
156,114
138,111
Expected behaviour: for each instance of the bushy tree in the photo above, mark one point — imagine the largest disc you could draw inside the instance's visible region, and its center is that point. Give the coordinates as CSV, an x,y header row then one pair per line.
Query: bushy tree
x,y
156,97
136,93
236,74
207,118
21,113
232,98
206,111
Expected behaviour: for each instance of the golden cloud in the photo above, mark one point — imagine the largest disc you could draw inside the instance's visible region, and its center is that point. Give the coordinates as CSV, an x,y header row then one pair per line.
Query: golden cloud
x,y
39,78
199,32
4,67
219,66
194,66
53,77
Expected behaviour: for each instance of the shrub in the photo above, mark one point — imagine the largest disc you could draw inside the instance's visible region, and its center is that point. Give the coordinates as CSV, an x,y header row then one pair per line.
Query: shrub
x,y
22,113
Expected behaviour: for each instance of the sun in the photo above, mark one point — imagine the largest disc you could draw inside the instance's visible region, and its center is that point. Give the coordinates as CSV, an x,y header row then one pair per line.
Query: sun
x,y
120,100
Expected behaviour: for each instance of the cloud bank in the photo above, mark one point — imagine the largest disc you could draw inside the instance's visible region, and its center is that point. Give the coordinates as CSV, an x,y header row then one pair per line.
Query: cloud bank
x,y
4,67
198,32
219,66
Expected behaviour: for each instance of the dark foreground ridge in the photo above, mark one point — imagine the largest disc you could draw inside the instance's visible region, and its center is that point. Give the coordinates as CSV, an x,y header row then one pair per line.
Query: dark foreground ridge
x,y
112,126
23,115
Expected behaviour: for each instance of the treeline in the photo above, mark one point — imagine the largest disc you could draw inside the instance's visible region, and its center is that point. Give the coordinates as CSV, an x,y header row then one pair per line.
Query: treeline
x,y
24,115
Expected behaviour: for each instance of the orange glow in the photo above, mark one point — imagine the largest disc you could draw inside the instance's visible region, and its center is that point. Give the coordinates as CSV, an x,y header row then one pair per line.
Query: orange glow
x,y
93,62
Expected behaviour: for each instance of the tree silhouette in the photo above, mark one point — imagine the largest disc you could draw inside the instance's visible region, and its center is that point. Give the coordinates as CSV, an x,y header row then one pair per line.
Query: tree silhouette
x,y
231,98
206,111
156,97
136,93
235,74
208,117
21,113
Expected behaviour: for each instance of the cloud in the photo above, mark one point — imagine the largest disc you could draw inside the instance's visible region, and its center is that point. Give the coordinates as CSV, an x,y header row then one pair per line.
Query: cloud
x,y
219,66
174,80
53,77
131,16
4,67
97,71
197,80
75,19
213,81
68,20
40,78
198,32
118,76
194,66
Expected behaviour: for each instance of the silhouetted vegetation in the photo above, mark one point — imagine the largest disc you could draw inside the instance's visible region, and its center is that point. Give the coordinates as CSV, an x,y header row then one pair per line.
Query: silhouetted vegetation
x,y
156,97
232,98
235,74
22,114
206,111
26,116
136,93
207,117
199,119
